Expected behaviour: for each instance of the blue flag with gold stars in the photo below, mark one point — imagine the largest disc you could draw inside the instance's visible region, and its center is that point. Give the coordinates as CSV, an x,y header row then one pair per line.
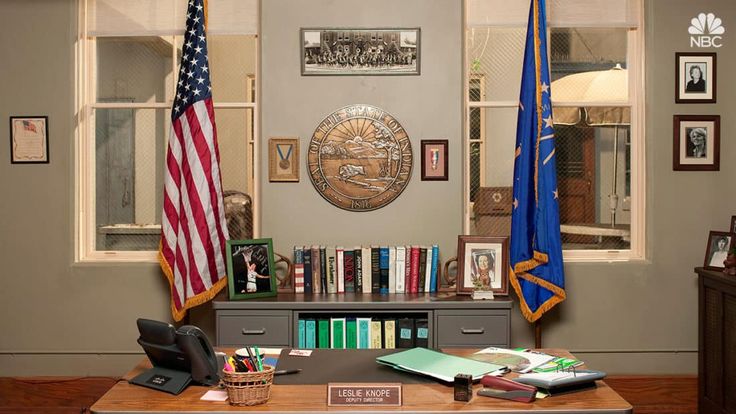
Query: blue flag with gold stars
x,y
535,254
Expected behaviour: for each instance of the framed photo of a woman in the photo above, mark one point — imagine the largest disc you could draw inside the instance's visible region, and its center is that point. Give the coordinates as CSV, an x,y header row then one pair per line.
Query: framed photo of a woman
x,y
719,243
482,264
695,77
250,269
696,143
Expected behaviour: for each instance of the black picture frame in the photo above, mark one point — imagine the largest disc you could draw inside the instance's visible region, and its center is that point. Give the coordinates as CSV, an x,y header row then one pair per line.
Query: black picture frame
x,y
30,129
360,51
714,258
244,257
434,159
685,65
696,142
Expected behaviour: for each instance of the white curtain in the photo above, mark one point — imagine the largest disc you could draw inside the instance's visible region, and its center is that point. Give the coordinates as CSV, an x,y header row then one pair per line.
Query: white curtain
x,y
167,17
560,13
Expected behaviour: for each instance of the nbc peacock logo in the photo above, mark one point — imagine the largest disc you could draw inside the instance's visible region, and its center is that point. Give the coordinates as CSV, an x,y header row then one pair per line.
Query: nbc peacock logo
x,y
706,30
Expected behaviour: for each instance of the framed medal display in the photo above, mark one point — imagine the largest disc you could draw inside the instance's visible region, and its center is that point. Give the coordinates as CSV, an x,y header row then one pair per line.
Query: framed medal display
x,y
283,160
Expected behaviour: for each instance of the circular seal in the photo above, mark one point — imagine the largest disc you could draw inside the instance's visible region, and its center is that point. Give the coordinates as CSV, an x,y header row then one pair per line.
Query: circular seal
x,y
284,164
360,158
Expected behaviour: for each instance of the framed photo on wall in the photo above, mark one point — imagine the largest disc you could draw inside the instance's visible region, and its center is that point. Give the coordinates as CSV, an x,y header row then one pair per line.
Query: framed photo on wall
x,y
719,243
29,140
360,51
251,272
695,77
482,264
283,160
696,143
434,159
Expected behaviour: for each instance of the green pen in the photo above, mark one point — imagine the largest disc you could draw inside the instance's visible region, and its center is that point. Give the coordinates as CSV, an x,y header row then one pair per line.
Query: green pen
x,y
258,357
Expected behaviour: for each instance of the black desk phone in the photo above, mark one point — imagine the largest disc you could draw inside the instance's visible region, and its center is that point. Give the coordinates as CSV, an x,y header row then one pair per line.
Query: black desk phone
x,y
179,356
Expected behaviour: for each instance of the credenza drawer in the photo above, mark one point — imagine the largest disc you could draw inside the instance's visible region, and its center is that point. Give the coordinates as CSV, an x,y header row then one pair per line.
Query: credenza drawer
x,y
479,328
256,328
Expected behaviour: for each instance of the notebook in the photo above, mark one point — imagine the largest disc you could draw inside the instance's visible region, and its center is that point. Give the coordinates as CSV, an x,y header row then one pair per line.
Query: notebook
x,y
438,365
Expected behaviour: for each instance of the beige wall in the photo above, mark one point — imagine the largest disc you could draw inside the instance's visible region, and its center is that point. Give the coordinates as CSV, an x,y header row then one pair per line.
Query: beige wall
x,y
64,318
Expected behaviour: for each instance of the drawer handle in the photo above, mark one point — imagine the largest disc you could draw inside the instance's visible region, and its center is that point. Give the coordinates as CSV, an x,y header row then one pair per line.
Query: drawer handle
x,y
478,331
261,331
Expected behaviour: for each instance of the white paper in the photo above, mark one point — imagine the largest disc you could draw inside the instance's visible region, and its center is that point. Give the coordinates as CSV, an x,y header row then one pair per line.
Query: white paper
x,y
214,395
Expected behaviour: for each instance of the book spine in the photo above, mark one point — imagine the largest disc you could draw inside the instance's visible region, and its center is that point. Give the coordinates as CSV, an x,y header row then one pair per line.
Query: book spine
x,y
302,333
311,333
400,268
435,263
407,270
340,269
337,333
323,269
331,270
405,333
389,329
383,270
364,333
349,261
422,269
366,257
316,271
414,268
428,270
307,269
351,333
358,253
392,269
422,333
299,269
376,339
323,333
375,270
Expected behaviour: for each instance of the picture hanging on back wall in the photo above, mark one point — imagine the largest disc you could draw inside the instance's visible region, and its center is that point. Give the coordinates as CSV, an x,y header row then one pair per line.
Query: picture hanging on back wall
x,y
342,51
696,143
360,158
695,78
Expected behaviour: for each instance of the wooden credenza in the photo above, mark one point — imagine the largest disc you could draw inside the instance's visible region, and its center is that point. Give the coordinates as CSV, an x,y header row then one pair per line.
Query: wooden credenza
x,y
717,342
453,321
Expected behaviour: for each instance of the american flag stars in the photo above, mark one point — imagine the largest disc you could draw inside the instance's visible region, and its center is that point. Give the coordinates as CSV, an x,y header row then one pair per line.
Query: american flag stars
x,y
194,80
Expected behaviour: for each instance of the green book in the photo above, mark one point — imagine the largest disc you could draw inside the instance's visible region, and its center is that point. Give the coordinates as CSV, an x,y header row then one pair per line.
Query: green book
x,y
351,334
337,333
302,334
323,333
364,333
311,340
437,364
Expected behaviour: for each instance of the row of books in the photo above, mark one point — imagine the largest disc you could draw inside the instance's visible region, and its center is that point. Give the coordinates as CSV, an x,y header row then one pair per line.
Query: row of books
x,y
384,269
363,333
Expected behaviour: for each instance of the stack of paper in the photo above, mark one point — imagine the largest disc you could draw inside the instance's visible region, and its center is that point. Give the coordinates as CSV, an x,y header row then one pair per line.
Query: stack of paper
x,y
516,360
438,365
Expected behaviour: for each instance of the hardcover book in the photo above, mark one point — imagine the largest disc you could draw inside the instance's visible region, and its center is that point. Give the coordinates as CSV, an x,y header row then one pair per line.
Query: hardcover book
x,y
422,269
434,280
389,330
307,269
375,270
340,269
316,270
400,268
299,269
392,269
428,270
323,269
349,272
358,253
383,270
365,254
414,269
407,270
331,269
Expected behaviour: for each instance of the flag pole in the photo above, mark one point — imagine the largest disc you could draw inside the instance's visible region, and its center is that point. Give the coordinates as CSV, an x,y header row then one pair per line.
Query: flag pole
x,y
538,333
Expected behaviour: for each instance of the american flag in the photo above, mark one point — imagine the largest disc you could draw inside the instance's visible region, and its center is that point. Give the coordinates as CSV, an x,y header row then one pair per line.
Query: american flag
x,y
193,224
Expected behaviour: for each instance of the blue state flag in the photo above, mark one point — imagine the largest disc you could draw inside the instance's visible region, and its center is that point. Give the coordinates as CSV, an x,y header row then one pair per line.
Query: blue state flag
x,y
535,254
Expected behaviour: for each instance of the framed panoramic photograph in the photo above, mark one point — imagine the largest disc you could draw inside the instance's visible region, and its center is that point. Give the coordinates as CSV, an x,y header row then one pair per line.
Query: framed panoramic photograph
x,y
719,243
482,264
360,51
283,160
29,140
250,269
695,78
434,159
696,143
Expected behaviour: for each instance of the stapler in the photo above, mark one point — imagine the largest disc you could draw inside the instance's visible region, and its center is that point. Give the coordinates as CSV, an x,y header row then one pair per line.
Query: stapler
x,y
498,387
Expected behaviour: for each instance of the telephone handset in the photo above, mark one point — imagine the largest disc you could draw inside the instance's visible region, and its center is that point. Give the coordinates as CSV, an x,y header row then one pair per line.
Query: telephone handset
x,y
179,356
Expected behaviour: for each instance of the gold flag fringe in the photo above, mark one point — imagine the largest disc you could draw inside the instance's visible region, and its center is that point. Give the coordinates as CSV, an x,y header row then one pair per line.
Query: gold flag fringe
x,y
520,271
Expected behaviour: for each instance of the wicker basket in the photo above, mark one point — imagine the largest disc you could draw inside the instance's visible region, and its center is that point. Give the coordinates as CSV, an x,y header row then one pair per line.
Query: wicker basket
x,y
248,388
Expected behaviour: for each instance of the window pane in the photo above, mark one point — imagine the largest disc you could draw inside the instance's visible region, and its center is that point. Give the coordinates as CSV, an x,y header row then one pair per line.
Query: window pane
x,y
133,69
496,54
232,60
129,152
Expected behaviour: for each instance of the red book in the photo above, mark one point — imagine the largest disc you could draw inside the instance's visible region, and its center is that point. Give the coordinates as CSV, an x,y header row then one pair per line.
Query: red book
x,y
407,270
414,269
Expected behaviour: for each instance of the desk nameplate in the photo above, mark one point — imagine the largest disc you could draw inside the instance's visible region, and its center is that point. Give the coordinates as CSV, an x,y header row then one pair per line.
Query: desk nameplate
x,y
363,394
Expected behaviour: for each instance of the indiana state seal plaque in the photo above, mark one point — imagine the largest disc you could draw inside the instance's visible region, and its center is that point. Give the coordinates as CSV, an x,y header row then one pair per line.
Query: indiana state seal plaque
x,y
360,158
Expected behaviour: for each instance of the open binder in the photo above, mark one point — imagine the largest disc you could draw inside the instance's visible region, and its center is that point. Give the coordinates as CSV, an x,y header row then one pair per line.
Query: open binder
x,y
438,365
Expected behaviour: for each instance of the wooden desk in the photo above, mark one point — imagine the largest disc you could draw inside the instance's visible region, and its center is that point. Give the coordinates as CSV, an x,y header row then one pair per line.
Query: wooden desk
x,y
418,398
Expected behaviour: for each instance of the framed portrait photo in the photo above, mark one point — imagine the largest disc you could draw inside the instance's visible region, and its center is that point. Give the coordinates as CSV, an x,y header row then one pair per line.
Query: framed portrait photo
x,y
719,243
482,264
283,160
695,77
360,51
251,272
29,140
434,159
696,143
